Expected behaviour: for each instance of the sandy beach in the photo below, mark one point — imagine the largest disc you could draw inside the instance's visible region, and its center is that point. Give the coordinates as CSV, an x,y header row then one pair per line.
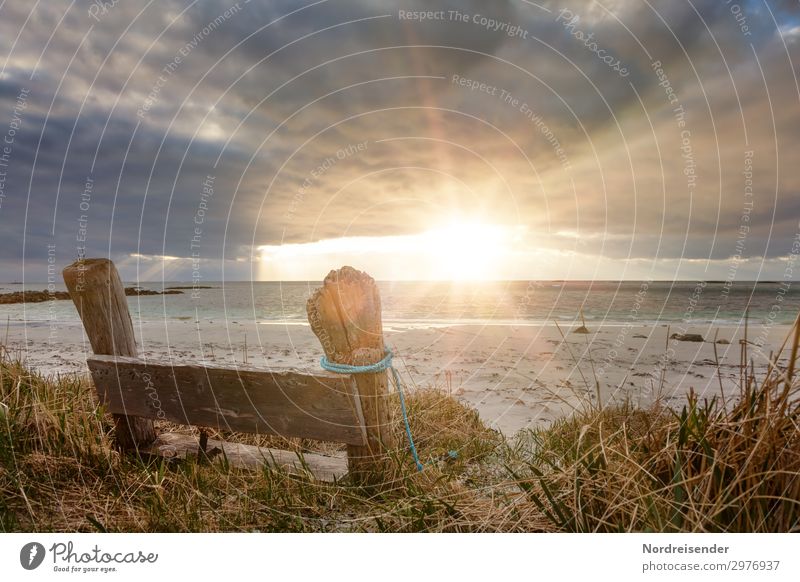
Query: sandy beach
x,y
515,376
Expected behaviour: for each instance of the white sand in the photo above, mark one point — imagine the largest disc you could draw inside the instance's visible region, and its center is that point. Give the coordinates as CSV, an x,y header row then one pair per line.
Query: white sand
x,y
515,376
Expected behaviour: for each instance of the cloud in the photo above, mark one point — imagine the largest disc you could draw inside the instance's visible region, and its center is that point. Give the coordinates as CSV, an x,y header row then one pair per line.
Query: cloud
x,y
330,119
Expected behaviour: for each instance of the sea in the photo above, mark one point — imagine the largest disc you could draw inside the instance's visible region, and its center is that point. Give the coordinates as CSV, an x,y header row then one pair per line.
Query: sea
x,y
430,304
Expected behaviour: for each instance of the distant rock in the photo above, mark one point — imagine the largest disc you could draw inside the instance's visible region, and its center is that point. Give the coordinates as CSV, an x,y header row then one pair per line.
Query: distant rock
x,y
687,337
31,297
42,296
137,291
581,329
723,341
639,336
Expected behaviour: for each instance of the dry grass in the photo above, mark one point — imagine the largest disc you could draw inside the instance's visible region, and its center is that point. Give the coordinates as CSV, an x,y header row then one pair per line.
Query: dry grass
x,y
60,472
709,467
705,468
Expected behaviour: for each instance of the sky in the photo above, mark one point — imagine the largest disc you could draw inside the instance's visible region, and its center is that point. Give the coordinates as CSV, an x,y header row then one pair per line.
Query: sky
x,y
208,140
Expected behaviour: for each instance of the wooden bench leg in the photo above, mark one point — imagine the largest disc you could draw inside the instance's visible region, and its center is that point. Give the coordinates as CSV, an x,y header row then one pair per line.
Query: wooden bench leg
x,y
345,314
99,296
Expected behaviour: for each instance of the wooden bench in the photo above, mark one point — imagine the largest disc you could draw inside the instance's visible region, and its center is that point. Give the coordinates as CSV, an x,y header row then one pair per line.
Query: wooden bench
x,y
344,314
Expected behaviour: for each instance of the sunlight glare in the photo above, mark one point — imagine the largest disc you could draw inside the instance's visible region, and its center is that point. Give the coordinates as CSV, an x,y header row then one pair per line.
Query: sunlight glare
x,y
469,251
458,251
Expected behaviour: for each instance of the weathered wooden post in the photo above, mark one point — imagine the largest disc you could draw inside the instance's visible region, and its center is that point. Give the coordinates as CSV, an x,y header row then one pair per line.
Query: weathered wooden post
x,y
96,289
345,314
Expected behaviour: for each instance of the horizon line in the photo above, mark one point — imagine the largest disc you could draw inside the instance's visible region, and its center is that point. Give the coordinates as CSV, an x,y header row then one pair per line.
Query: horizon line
x,y
459,281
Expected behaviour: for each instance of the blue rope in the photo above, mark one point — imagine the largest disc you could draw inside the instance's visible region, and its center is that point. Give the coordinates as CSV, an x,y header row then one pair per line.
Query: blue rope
x,y
384,364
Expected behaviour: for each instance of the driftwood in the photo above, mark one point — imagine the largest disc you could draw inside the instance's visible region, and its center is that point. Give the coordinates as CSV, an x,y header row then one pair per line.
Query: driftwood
x,y
180,446
98,294
345,314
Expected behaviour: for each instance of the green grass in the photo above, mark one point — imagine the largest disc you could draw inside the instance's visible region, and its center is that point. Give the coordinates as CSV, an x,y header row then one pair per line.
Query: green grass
x,y
703,468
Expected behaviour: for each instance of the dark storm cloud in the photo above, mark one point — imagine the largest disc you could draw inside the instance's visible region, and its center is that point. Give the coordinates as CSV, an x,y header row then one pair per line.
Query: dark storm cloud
x,y
270,98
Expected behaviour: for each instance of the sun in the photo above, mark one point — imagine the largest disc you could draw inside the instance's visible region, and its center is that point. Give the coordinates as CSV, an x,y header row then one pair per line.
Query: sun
x,y
457,250
469,251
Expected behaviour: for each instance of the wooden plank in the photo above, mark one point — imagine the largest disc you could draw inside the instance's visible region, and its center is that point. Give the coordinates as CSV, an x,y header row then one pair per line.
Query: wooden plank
x,y
288,403
180,446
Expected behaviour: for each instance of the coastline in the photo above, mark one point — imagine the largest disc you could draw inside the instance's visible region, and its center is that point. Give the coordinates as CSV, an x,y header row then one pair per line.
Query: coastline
x,y
516,376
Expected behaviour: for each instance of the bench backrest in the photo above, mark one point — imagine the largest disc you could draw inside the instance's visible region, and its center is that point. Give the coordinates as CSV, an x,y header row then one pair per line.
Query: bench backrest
x,y
320,406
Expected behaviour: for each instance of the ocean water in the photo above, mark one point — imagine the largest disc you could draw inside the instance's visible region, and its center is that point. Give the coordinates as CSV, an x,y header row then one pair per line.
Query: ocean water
x,y
428,304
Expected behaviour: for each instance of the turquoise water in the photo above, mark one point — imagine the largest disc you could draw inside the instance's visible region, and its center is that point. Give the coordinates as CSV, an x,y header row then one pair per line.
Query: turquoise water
x,y
429,304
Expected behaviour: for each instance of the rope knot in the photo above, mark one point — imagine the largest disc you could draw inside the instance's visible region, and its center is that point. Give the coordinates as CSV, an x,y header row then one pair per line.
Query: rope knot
x,y
384,364
380,366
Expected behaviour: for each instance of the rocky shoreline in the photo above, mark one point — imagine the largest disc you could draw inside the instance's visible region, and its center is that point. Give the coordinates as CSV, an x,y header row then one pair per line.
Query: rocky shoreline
x,y
42,296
